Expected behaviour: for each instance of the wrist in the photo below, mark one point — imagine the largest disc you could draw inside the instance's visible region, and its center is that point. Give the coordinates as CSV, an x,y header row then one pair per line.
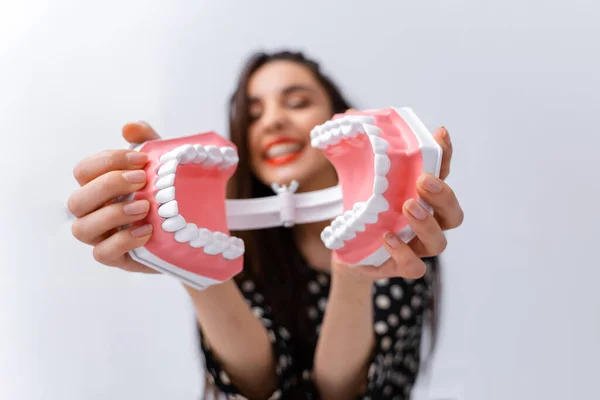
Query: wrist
x,y
348,275
218,291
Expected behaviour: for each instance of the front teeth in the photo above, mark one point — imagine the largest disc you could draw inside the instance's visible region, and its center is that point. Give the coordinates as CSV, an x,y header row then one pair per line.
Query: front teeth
x,y
174,224
346,226
168,168
165,181
213,243
168,209
166,194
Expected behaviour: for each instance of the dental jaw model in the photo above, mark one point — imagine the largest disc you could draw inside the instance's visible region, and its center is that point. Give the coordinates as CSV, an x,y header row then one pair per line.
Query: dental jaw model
x,y
378,155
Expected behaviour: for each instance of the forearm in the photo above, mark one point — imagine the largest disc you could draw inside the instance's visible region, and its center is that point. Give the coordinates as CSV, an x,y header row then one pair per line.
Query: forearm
x,y
346,339
237,338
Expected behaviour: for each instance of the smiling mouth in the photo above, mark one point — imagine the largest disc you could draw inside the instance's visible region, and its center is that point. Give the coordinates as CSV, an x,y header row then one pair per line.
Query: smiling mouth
x,y
283,153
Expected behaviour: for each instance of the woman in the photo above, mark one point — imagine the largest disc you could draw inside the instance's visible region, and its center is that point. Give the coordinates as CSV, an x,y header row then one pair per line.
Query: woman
x,y
295,323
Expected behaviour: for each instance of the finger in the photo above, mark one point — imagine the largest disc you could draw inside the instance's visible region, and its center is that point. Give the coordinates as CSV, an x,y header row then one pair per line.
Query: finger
x,y
114,250
92,228
403,262
442,137
139,132
103,189
437,193
111,160
430,239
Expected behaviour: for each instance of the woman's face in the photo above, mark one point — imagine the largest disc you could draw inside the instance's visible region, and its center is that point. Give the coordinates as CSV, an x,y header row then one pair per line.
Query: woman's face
x,y
286,102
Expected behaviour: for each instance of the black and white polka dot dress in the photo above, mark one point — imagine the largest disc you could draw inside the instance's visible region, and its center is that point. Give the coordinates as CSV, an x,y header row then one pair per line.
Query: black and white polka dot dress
x,y
398,305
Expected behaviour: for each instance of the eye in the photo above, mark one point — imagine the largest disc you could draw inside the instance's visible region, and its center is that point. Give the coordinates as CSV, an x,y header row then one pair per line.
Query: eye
x,y
299,102
254,113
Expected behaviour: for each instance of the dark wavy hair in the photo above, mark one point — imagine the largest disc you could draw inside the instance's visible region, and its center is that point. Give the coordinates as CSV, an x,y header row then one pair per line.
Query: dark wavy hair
x,y
272,259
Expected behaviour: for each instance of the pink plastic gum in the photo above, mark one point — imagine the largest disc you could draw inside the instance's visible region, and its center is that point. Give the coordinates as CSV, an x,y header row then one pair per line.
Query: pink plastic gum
x,y
186,182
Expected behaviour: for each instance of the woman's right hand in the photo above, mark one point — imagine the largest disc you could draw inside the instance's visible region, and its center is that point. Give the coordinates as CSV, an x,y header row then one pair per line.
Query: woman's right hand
x,y
104,177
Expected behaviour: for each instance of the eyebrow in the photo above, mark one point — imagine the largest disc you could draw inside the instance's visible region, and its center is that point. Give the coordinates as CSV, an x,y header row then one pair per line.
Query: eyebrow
x,y
288,90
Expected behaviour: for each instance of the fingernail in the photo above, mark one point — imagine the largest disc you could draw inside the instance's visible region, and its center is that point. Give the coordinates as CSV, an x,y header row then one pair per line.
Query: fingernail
x,y
432,184
446,136
136,176
141,231
416,210
392,240
137,207
137,158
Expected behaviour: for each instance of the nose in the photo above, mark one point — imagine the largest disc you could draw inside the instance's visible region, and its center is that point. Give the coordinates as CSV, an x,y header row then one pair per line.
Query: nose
x,y
274,118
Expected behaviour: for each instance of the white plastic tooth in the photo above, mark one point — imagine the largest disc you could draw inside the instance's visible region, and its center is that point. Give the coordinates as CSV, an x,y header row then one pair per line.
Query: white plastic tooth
x,y
168,168
187,233
372,130
327,126
326,234
236,248
358,127
346,127
219,243
333,243
336,130
325,136
169,209
165,181
363,119
378,204
352,131
203,238
316,143
189,153
230,157
356,224
165,195
368,217
174,154
173,224
214,156
315,132
380,145
346,232
348,215
380,185
382,164
337,224
334,139
359,207
200,154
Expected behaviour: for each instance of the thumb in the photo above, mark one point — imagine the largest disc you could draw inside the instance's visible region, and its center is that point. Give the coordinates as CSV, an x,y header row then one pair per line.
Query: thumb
x,y
139,132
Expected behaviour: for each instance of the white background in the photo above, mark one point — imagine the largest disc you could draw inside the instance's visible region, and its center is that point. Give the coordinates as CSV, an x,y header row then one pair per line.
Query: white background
x,y
516,83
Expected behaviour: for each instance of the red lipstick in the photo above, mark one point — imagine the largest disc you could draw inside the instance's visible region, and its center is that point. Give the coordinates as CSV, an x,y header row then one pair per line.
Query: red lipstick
x,y
284,158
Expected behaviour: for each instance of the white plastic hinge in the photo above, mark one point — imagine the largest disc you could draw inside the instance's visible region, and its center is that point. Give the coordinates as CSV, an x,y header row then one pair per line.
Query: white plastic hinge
x,y
287,202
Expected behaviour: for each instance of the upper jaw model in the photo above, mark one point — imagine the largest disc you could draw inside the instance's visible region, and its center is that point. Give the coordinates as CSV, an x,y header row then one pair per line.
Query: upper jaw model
x,y
378,155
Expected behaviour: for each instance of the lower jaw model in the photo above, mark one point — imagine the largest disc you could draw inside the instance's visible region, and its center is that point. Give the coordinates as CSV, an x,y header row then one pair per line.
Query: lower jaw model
x,y
378,156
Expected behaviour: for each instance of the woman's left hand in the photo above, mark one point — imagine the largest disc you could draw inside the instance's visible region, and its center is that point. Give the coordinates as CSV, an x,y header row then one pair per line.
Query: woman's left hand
x,y
430,239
